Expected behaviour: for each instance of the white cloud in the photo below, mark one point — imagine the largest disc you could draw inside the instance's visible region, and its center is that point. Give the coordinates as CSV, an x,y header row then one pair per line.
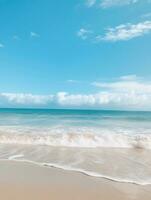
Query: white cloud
x,y
110,3
34,34
25,99
129,84
127,92
65,99
122,32
131,77
126,31
111,97
84,33
1,45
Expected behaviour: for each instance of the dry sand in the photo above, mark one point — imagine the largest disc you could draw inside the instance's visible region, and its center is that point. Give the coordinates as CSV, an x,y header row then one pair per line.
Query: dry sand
x,y
26,181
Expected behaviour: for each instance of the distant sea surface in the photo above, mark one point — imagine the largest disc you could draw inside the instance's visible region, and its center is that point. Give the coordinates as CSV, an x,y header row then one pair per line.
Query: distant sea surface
x,y
115,145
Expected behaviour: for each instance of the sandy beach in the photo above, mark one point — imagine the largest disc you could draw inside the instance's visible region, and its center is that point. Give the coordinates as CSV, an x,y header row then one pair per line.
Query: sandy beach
x,y
75,100
20,181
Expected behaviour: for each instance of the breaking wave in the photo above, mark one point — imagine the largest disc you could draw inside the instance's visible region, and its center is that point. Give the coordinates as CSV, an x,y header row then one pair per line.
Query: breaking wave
x,y
84,138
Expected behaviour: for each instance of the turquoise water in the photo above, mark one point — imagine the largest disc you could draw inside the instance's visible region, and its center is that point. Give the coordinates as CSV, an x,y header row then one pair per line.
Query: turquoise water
x,y
110,144
94,118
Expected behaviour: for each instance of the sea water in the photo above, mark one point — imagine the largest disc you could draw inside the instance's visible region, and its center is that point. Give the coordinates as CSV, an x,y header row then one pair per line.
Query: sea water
x,y
115,145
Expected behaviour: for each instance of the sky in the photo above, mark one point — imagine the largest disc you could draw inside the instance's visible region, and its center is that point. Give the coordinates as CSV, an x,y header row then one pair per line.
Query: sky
x,y
91,54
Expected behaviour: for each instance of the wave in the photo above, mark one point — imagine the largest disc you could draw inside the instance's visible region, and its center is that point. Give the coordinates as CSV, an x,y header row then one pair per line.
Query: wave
x,y
97,175
14,157
84,138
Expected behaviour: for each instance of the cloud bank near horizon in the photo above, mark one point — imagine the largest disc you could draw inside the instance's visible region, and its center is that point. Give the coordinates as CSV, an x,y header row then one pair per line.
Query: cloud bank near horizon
x,y
126,93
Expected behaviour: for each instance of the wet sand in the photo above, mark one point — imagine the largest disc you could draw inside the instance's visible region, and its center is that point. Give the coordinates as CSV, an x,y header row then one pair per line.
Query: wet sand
x,y
22,181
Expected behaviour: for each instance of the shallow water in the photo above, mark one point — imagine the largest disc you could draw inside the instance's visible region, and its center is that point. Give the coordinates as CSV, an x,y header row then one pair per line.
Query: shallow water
x,y
111,144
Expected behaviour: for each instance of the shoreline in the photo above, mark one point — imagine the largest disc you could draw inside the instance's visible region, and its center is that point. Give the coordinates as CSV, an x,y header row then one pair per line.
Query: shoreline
x,y
78,171
21,180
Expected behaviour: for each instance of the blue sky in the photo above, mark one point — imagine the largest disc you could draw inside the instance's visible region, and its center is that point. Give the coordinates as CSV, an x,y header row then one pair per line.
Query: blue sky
x,y
77,53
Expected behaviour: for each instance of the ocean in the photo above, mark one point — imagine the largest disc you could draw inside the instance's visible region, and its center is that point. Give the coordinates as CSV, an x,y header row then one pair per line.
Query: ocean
x,y
114,145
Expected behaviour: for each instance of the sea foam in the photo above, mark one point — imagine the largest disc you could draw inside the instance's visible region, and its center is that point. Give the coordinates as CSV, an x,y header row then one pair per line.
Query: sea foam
x,y
73,137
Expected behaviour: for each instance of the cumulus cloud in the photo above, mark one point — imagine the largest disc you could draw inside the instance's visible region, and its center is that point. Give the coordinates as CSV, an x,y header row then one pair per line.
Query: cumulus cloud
x,y
66,99
126,93
129,92
25,99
